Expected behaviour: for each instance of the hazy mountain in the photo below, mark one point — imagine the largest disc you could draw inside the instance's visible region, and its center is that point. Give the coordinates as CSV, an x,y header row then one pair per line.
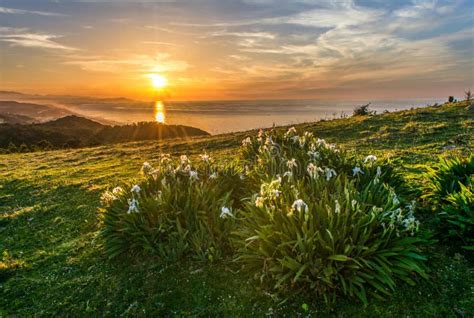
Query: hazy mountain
x,y
38,112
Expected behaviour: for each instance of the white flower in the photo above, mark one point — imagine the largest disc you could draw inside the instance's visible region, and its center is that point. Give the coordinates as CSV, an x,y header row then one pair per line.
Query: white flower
x,y
356,171
370,158
295,139
337,207
313,170
291,131
379,172
329,173
259,201
193,175
246,141
308,134
288,174
314,154
225,212
132,206
291,163
107,197
184,159
205,157
117,190
187,168
146,168
136,188
299,205
302,141
321,142
276,193
213,175
242,176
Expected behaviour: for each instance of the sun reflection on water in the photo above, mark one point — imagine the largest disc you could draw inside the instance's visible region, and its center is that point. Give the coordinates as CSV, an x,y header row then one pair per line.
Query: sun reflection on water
x,y
160,116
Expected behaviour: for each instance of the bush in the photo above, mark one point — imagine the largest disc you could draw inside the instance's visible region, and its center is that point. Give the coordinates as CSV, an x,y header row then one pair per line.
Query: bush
x,y
450,193
294,210
177,210
324,222
363,110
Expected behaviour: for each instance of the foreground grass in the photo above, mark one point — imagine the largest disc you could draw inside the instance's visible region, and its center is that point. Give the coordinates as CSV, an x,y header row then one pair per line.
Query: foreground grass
x,y
52,263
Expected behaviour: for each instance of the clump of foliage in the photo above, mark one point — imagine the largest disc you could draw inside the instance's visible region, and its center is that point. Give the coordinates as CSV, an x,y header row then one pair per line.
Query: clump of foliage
x,y
324,222
297,212
450,193
178,209
363,110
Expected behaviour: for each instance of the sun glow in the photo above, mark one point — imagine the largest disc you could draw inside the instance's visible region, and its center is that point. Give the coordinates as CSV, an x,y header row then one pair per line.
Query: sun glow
x,y
158,81
160,116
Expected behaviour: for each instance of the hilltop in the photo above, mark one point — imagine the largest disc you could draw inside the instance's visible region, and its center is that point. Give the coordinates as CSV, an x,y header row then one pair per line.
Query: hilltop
x,y
74,131
52,264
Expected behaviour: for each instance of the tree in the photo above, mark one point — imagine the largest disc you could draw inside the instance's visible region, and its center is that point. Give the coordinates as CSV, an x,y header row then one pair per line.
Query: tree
x,y
362,110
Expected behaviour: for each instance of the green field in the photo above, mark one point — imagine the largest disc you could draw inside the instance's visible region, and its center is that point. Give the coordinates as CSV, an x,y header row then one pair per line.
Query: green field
x,y
53,264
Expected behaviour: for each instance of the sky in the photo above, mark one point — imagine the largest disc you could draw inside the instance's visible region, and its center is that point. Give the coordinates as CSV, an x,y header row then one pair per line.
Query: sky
x,y
245,49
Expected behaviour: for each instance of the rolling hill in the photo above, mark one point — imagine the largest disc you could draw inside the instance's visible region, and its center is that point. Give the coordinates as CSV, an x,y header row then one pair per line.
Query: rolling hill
x,y
53,264
73,131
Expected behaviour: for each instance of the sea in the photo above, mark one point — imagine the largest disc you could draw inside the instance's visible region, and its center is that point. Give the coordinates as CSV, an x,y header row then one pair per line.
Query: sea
x,y
218,117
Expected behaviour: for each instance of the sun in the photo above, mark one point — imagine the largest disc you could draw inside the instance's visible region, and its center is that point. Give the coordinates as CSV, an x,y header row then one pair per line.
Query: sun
x,y
158,81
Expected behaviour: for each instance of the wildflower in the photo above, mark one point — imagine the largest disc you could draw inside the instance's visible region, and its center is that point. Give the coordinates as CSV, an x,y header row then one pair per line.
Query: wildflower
x,y
165,158
242,176
225,212
117,190
107,197
291,131
132,206
213,175
394,196
308,134
313,170
356,171
187,168
260,133
321,142
329,173
193,175
259,201
379,172
302,141
136,188
314,154
299,205
295,139
337,207
184,159
205,158
146,168
246,142
291,163
288,174
370,158
269,141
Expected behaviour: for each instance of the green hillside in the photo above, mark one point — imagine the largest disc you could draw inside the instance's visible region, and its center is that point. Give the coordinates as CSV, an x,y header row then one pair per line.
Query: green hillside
x,y
52,262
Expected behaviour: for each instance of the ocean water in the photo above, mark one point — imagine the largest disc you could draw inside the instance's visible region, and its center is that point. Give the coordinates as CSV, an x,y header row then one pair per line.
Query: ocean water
x,y
218,117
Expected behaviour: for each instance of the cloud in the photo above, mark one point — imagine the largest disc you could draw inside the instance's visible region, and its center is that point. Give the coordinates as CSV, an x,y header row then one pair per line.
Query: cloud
x,y
20,11
25,38
140,64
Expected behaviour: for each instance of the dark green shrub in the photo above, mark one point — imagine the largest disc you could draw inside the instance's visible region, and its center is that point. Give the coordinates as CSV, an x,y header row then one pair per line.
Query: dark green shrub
x,y
323,222
450,194
176,210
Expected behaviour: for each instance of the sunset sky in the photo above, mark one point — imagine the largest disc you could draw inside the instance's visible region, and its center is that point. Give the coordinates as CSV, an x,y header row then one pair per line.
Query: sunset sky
x,y
249,49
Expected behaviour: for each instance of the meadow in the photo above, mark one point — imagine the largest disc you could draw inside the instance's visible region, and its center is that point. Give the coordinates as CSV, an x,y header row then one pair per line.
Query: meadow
x,y
55,262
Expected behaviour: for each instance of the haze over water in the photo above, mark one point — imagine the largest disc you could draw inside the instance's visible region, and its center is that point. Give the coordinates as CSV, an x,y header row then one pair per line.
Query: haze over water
x,y
229,116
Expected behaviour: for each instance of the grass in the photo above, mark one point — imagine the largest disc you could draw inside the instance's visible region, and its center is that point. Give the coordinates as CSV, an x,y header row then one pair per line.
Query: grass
x,y
51,263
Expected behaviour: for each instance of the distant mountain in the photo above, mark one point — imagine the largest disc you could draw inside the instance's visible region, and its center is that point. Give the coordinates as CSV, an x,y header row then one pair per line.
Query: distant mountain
x,y
74,131
7,118
39,112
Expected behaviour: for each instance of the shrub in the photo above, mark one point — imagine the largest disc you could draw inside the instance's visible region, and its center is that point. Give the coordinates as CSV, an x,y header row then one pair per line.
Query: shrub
x,y
177,210
450,193
324,222
362,110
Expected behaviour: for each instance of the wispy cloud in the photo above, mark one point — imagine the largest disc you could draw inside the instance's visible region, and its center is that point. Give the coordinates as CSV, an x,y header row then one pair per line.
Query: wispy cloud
x,y
25,38
20,11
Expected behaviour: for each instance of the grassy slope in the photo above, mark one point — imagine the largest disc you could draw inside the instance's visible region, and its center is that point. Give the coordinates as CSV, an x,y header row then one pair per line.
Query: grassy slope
x,y
48,225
